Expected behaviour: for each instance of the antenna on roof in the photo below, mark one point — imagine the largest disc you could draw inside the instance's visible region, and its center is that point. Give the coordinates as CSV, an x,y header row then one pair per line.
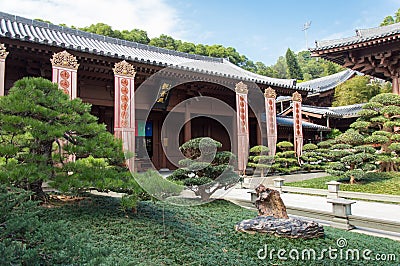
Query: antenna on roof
x,y
306,26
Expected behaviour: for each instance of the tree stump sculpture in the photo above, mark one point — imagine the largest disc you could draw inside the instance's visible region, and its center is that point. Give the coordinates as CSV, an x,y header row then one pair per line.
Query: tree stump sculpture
x,y
273,218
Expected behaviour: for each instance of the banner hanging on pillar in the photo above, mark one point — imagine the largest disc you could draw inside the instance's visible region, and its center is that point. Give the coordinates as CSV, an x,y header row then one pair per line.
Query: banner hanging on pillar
x,y
270,113
242,125
297,124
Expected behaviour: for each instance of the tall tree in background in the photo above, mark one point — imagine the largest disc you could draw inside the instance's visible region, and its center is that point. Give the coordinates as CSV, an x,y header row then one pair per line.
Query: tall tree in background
x,y
294,69
390,19
165,41
387,21
102,29
281,68
135,35
359,89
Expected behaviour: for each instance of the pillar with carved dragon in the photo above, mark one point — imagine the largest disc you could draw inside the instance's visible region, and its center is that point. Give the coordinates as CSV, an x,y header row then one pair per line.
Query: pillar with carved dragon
x,y
3,55
297,124
64,69
124,107
270,114
242,126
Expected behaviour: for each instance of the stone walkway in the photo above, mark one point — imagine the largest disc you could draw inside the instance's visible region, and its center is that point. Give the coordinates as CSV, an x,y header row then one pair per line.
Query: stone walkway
x,y
268,181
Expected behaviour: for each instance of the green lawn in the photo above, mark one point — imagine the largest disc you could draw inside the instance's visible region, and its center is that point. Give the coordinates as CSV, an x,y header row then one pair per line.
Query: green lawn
x,y
97,232
377,183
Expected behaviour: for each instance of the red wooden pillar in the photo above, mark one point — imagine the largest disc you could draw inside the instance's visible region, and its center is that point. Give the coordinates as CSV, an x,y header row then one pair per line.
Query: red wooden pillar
x,y
124,107
395,84
297,124
270,114
65,67
3,55
242,126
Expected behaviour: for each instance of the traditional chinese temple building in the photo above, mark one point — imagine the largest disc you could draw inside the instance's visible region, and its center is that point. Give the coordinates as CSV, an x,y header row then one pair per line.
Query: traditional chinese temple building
x,y
117,76
374,51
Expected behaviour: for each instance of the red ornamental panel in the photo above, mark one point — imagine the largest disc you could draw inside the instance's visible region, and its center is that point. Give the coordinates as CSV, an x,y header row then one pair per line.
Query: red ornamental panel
x,y
124,102
243,133
271,124
64,81
297,128
124,111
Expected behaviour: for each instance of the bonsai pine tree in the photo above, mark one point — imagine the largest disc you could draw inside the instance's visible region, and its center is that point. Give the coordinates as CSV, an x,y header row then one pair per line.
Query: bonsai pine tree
x,y
40,127
260,159
286,161
350,157
205,169
312,157
379,122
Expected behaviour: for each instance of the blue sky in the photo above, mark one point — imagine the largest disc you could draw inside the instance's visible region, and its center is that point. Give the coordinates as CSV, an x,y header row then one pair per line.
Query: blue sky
x,y
261,30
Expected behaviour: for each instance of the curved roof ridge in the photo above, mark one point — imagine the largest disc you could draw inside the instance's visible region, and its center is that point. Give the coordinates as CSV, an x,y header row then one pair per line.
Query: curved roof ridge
x,y
361,35
251,75
328,82
99,37
347,106
288,121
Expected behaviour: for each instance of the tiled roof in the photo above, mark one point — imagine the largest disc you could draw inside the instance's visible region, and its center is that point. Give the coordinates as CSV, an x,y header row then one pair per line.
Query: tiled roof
x,y
348,110
362,35
28,30
338,112
287,121
329,82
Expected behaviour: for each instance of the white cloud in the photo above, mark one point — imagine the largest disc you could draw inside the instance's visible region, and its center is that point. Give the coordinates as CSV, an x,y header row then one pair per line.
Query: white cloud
x,y
154,16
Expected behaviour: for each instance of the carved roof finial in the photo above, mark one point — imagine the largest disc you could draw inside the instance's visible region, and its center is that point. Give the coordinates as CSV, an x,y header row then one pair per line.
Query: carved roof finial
x,y
270,93
241,88
64,59
3,51
296,97
123,68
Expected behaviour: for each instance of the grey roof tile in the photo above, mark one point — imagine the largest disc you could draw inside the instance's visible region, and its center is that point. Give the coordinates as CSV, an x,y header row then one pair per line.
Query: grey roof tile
x,y
26,29
287,121
329,82
338,112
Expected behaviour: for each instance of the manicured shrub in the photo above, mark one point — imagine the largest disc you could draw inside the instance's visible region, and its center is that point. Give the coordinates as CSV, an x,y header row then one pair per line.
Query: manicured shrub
x,y
260,159
286,161
205,169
